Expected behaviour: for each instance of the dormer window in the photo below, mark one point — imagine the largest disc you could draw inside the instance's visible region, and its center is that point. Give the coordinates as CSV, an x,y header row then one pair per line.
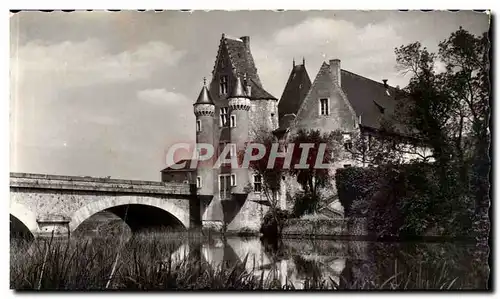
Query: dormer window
x,y
223,116
380,107
223,85
324,107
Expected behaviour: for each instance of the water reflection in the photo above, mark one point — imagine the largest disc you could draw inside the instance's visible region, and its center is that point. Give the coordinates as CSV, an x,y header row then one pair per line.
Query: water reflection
x,y
274,265
341,264
346,264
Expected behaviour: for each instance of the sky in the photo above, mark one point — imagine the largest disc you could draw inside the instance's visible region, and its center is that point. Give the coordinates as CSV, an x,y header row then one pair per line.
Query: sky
x,y
106,93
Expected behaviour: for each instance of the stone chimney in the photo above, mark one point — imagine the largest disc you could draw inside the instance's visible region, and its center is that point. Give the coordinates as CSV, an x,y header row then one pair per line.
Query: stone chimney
x,y
246,41
385,83
335,70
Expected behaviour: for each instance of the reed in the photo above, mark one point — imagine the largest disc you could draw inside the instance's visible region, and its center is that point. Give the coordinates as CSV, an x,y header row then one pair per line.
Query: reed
x,y
146,263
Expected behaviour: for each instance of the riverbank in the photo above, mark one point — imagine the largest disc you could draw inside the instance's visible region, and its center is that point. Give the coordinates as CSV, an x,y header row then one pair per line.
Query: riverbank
x,y
355,228
155,261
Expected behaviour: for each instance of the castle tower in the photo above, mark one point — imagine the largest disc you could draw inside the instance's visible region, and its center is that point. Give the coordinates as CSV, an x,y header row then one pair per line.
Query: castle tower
x,y
204,110
239,106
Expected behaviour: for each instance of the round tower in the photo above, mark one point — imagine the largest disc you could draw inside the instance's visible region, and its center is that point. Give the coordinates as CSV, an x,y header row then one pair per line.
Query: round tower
x,y
239,106
204,110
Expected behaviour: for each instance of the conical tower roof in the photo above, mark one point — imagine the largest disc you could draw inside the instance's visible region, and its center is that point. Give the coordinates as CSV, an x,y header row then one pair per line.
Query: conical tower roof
x,y
204,97
238,91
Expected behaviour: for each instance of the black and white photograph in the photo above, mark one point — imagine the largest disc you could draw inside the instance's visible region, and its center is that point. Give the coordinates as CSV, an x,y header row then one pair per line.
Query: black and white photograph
x,y
252,150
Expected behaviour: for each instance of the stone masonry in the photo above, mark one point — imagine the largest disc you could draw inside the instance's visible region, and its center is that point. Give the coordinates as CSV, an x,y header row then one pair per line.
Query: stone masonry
x,y
46,203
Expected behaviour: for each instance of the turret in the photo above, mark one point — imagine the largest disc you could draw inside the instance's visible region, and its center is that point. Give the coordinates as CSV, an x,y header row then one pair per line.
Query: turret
x,y
239,106
204,110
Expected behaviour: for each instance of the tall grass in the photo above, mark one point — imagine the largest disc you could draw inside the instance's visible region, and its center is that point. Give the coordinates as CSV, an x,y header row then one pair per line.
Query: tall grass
x,y
145,262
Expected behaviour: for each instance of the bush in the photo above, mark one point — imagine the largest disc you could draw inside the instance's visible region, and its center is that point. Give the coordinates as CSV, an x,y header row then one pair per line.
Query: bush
x,y
305,203
271,228
406,200
355,184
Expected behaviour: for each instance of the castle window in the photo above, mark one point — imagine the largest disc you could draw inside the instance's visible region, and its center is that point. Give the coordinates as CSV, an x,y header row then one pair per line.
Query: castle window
x,y
224,186
223,116
257,183
232,150
223,85
198,125
347,141
232,121
222,63
324,108
198,182
233,179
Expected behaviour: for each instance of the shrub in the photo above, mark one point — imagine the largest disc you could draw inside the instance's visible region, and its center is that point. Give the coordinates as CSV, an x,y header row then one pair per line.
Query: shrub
x,y
355,184
406,200
305,203
271,228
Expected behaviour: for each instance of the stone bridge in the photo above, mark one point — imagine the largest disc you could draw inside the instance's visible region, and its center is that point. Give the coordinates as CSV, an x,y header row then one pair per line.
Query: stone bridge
x,y
59,204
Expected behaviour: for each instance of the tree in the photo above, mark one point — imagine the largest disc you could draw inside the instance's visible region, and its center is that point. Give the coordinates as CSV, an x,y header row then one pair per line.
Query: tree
x,y
312,178
448,109
270,176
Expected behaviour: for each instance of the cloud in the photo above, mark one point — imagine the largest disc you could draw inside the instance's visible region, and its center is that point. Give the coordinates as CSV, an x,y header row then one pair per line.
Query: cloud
x,y
70,64
103,120
162,97
366,50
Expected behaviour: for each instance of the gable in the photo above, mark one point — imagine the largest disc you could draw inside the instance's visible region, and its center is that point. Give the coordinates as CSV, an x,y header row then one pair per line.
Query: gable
x,y
234,59
341,116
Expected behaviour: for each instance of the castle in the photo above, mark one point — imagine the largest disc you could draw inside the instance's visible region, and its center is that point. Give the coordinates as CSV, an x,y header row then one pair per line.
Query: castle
x,y
234,107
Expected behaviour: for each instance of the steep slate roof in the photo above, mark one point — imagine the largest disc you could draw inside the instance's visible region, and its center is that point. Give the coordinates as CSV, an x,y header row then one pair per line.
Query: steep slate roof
x,y
242,59
204,97
284,123
374,102
238,90
258,92
295,91
187,166
370,99
243,64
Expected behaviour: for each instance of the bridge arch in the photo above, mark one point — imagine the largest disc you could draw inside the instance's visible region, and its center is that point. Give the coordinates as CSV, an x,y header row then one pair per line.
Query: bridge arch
x,y
24,215
94,207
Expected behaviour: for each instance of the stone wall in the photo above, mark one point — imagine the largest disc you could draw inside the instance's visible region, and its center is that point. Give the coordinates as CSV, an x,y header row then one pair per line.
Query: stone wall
x,y
325,228
341,248
250,215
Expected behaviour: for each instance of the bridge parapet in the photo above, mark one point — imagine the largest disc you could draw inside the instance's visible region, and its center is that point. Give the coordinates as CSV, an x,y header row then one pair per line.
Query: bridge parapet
x,y
78,183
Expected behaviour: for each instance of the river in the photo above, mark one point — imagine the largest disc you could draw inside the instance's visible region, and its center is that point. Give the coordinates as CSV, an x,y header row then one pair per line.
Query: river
x,y
349,264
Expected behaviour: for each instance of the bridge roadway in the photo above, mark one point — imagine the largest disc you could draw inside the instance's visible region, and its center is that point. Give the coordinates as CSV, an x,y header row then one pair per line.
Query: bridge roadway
x,y
47,204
